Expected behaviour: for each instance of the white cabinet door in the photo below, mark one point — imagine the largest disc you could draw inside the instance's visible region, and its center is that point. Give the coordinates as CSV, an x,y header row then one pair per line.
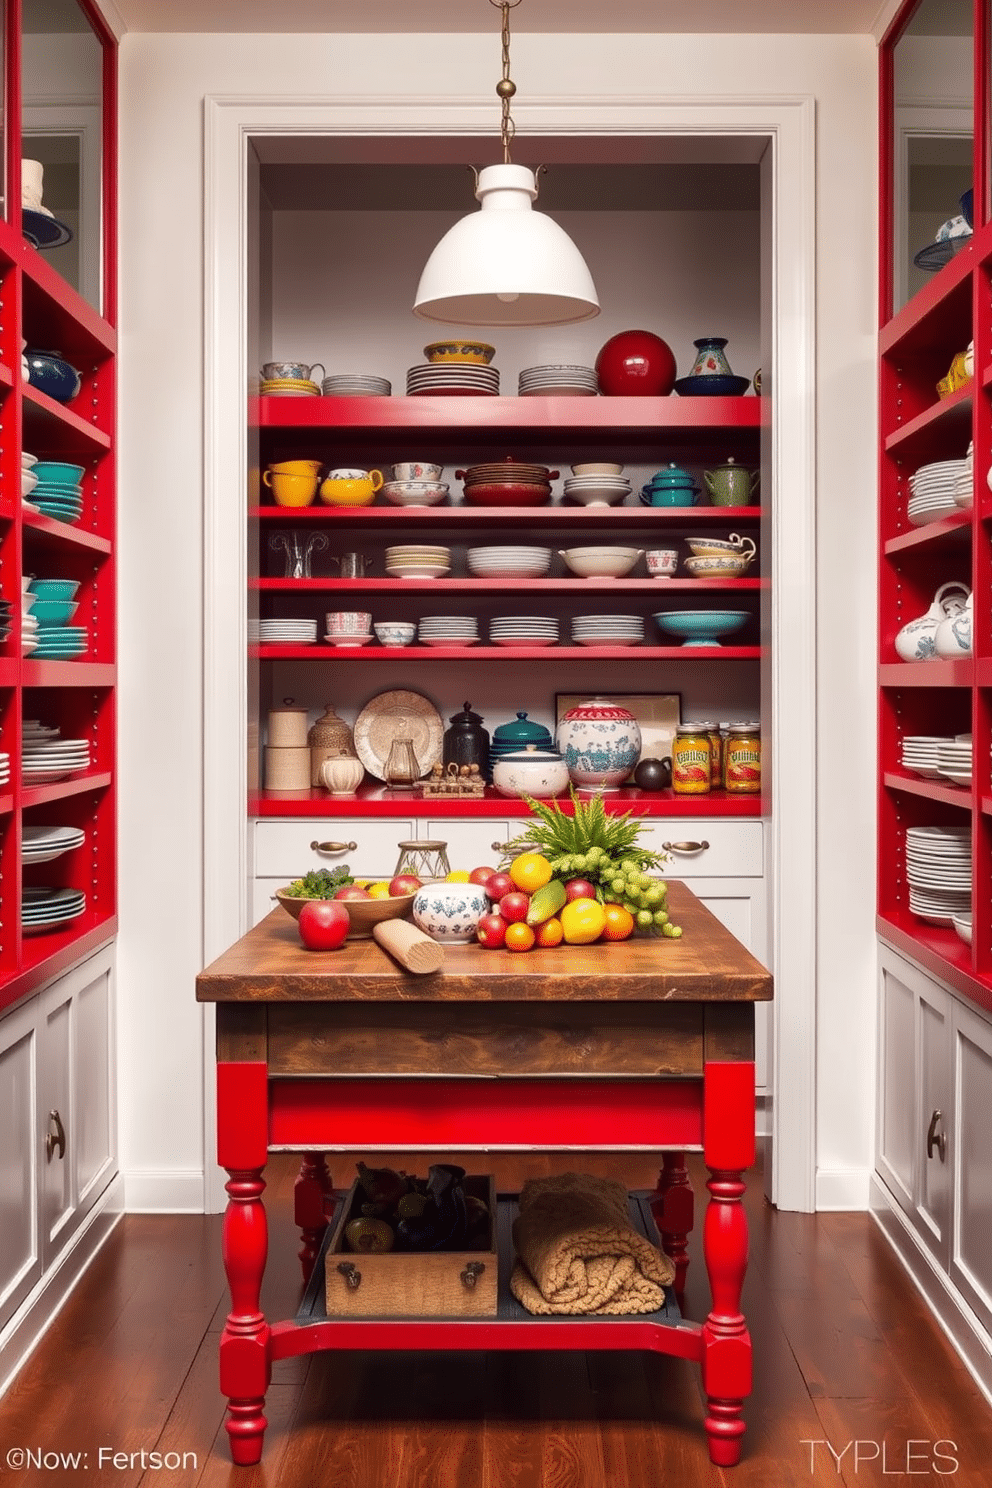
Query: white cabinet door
x,y
971,1253
56,1117
933,1118
896,1115
20,1248
471,840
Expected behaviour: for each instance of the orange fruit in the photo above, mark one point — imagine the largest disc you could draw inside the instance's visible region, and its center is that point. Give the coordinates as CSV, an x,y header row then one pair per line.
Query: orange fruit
x,y
550,933
530,872
583,921
619,922
457,875
519,936
379,890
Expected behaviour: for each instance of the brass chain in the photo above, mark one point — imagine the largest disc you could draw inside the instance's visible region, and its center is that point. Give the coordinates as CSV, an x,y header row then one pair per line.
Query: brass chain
x,y
506,87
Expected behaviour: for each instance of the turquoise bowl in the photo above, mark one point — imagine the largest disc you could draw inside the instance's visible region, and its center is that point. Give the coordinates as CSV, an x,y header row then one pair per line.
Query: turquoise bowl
x,y
58,473
701,627
54,611
54,588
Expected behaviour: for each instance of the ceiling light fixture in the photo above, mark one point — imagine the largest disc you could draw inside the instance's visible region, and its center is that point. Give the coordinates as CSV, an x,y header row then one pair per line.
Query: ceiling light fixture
x,y
506,264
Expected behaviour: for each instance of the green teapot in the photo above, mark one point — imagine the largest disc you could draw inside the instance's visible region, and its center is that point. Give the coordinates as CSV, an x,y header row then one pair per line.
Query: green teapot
x,y
731,484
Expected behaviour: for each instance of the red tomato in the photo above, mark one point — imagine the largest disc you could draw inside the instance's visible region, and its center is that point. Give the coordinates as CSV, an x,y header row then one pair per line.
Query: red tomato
x,y
579,888
352,891
514,906
481,875
324,924
498,885
404,883
491,931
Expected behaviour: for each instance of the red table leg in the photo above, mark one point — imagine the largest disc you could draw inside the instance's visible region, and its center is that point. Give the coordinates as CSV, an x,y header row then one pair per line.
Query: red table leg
x,y
673,1208
310,1192
244,1344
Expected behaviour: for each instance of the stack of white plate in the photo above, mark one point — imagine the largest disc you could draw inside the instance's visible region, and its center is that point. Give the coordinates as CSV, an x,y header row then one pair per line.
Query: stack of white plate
x,y
954,759
355,385
452,377
608,630
289,632
448,630
932,490
47,909
417,561
4,768
43,844
919,754
509,563
964,486
561,381
44,759
597,490
523,630
938,869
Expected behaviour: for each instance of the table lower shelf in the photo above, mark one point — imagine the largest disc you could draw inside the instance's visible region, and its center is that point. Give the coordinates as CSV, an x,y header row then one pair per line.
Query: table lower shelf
x,y
664,1331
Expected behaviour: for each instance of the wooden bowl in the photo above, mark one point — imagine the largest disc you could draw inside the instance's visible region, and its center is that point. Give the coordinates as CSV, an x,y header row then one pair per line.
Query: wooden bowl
x,y
363,913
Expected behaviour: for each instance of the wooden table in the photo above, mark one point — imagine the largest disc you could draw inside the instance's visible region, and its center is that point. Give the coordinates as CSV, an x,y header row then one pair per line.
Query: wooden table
x,y
644,1045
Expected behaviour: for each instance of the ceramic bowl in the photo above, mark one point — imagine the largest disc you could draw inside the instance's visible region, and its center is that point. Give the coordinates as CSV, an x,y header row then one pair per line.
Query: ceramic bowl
x,y
28,460
531,772
350,490
295,467
712,385
53,375
449,912
417,470
28,482
662,562
477,353
597,467
962,924
597,495
701,627
348,622
56,473
363,913
716,547
600,563
394,633
415,493
510,493
288,371
53,588
716,568
54,611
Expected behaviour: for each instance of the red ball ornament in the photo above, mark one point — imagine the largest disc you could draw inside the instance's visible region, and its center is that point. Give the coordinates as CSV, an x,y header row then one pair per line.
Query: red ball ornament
x,y
636,363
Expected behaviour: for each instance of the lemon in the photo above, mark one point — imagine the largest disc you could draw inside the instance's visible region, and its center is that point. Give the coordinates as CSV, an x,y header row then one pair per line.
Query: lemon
x,y
530,872
457,875
378,890
582,921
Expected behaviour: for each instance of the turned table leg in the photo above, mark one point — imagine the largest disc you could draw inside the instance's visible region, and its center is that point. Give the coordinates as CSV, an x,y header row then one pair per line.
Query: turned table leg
x,y
672,1205
310,1191
244,1360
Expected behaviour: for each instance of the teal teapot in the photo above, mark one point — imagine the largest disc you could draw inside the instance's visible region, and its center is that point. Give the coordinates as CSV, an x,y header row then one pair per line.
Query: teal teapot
x,y
670,486
731,484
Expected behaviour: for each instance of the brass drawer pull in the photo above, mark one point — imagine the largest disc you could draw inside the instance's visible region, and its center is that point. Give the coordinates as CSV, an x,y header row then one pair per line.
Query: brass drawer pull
x,y
684,847
55,1140
935,1138
351,1274
333,847
472,1272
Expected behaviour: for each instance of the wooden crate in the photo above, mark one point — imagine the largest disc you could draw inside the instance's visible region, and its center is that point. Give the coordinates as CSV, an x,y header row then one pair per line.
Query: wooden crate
x,y
403,1283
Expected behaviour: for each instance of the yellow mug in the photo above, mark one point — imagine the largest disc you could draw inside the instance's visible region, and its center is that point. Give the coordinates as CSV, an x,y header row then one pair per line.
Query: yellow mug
x,y
351,490
296,467
291,490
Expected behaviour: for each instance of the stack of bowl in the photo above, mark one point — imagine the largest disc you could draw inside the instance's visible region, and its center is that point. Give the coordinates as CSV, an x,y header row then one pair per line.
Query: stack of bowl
x,y
288,387
53,608
600,563
455,368
507,482
509,562
597,484
58,492
29,625
416,483
558,381
355,385
28,478
417,561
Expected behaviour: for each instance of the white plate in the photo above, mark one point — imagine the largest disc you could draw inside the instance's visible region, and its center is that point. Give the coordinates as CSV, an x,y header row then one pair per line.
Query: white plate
x,y
398,715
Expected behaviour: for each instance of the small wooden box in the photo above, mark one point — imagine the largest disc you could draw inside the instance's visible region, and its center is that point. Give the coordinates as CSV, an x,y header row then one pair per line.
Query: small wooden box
x,y
404,1283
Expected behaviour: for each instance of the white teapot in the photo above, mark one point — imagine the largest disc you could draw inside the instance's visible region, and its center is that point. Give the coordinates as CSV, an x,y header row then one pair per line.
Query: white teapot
x,y
953,637
917,639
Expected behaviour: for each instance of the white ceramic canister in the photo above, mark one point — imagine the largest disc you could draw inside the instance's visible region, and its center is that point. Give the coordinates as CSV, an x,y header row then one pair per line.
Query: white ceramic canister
x,y
287,726
341,774
287,769
601,742
531,772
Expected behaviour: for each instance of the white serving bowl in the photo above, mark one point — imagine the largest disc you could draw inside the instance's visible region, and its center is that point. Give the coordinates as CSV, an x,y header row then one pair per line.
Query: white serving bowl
x,y
449,912
419,571
531,772
962,924
596,467
600,563
598,495
417,470
415,493
394,632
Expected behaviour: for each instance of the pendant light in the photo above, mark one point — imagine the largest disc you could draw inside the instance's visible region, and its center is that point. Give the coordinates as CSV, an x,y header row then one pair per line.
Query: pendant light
x,y
506,265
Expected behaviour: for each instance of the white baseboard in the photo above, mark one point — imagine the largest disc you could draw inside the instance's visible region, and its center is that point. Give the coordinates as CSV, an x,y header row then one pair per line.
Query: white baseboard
x,y
163,1191
36,1313
842,1188
762,1115
963,1328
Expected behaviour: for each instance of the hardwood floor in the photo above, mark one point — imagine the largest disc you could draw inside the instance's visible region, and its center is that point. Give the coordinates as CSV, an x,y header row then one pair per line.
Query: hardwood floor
x,y
845,1353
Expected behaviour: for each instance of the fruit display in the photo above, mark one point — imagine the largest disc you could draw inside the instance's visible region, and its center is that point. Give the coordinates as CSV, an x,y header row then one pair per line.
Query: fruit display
x,y
575,877
397,1210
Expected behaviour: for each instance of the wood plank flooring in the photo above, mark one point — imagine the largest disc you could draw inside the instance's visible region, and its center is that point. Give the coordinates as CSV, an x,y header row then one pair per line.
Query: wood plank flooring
x,y
845,1353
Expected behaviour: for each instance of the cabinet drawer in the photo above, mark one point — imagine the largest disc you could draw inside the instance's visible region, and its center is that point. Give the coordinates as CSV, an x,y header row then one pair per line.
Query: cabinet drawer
x,y
470,841
733,848
283,849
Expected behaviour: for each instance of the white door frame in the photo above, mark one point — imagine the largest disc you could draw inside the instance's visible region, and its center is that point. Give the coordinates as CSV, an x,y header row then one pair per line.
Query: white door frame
x,y
788,122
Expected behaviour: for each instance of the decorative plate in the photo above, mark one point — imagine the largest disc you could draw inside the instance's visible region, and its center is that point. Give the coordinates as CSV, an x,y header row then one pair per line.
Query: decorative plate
x,y
398,715
43,231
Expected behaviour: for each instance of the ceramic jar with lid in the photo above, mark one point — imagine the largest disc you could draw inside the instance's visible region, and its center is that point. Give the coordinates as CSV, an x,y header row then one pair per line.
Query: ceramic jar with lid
x,y
287,726
601,742
329,738
466,742
341,774
521,733
671,486
531,772
731,484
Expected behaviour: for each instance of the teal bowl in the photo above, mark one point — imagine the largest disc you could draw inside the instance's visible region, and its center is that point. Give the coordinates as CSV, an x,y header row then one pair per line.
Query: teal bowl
x,y
53,588
58,473
701,627
53,611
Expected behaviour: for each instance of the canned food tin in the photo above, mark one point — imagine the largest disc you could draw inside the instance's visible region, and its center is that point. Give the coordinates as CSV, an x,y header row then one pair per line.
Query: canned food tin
x,y
742,759
692,760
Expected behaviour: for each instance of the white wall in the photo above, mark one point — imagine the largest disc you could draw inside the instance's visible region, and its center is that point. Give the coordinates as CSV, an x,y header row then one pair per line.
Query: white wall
x,y
163,81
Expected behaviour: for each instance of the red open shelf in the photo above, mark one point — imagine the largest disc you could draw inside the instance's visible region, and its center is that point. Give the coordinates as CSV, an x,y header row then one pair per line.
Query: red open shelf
x,y
378,800
439,517
550,654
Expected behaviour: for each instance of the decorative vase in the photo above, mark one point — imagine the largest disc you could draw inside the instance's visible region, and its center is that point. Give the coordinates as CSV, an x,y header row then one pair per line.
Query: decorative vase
x,y
710,360
466,742
328,738
636,363
341,774
402,771
601,743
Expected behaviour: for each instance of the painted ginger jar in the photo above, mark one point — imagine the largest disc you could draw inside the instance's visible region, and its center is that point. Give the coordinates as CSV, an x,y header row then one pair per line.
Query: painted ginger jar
x,y
450,912
916,641
601,743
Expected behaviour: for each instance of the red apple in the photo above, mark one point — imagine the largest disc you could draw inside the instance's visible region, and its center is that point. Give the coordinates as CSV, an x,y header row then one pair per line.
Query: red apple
x,y
580,888
352,891
323,925
491,931
514,906
404,883
481,875
498,885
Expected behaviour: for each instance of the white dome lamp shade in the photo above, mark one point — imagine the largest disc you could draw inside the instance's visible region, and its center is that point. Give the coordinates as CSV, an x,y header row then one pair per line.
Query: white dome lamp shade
x,y
506,265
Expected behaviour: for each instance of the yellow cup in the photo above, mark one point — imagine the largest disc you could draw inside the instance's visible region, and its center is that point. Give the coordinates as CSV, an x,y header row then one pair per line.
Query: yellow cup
x,y
291,490
296,467
353,491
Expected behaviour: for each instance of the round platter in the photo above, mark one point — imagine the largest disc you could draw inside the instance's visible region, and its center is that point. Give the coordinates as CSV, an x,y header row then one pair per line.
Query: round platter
x,y
398,715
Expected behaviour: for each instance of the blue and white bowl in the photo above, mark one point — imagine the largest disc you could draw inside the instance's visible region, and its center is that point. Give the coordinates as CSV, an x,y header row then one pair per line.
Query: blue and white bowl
x,y
450,912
